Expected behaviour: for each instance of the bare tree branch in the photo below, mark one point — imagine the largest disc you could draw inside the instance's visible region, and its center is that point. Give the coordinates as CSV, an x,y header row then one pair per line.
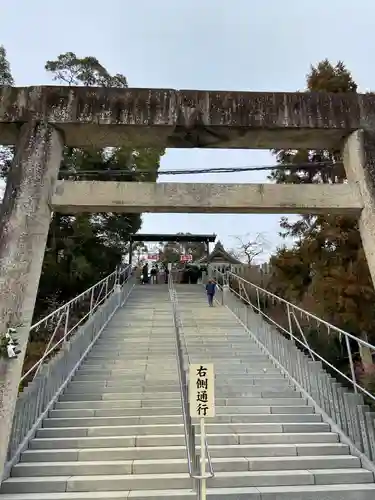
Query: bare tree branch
x,y
249,248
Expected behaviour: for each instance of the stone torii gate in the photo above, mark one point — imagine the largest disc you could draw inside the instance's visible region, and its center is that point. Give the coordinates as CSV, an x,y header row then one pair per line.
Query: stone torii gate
x,y
40,120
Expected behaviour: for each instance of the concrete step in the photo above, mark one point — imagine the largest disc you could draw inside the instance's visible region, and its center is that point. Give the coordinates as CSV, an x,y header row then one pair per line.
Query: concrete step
x,y
119,357
176,466
131,332
102,407
146,378
127,387
128,328
179,440
138,342
228,355
168,452
221,391
128,380
130,386
233,370
222,394
164,364
316,492
155,361
137,372
128,402
256,393
235,417
135,383
178,429
158,325
142,340
244,479
170,363
160,373
116,389
131,358
129,375
177,420
229,408
167,344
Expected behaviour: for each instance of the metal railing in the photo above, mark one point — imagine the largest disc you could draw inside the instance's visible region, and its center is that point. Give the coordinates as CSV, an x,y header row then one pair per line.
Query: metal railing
x,y
61,324
193,457
53,375
289,348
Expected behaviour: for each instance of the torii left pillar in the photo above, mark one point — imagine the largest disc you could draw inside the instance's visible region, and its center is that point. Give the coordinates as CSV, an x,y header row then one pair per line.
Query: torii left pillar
x,y
24,223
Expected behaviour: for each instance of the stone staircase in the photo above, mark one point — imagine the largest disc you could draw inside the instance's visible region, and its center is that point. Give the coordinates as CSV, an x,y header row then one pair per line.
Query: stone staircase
x,y
117,431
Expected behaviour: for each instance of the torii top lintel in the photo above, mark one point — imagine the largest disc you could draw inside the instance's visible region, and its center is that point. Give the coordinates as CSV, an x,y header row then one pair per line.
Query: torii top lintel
x,y
99,117
178,238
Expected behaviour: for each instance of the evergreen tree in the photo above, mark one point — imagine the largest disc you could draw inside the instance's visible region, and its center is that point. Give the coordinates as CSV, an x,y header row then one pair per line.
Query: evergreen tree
x,y
6,78
83,248
327,262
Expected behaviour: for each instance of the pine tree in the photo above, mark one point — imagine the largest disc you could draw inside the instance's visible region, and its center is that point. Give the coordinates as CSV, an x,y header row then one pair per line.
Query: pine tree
x,y
6,77
83,248
327,262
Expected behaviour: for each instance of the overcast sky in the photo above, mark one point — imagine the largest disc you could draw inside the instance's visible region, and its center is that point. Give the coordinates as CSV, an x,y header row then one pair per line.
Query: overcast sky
x,y
239,45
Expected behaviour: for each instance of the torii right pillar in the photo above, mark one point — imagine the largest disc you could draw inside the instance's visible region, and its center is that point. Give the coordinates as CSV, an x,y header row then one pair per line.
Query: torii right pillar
x,y
359,162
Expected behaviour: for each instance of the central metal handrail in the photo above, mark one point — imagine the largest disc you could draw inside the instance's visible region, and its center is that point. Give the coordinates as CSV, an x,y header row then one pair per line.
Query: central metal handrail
x,y
189,429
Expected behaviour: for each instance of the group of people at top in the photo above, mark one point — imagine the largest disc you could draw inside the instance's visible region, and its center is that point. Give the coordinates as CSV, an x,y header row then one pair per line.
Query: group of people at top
x,y
153,273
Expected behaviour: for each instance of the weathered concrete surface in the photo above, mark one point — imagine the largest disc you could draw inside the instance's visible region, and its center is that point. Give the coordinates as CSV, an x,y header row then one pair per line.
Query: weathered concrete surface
x,y
184,118
24,222
96,196
359,166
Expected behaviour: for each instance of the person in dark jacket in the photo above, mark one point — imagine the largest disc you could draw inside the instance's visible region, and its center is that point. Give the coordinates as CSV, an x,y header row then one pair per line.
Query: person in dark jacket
x,y
211,289
145,274
154,275
166,273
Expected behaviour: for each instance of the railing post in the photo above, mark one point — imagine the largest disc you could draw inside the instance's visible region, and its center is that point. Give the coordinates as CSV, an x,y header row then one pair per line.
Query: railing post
x,y
202,482
226,277
92,299
258,300
289,321
224,295
117,289
352,370
66,325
